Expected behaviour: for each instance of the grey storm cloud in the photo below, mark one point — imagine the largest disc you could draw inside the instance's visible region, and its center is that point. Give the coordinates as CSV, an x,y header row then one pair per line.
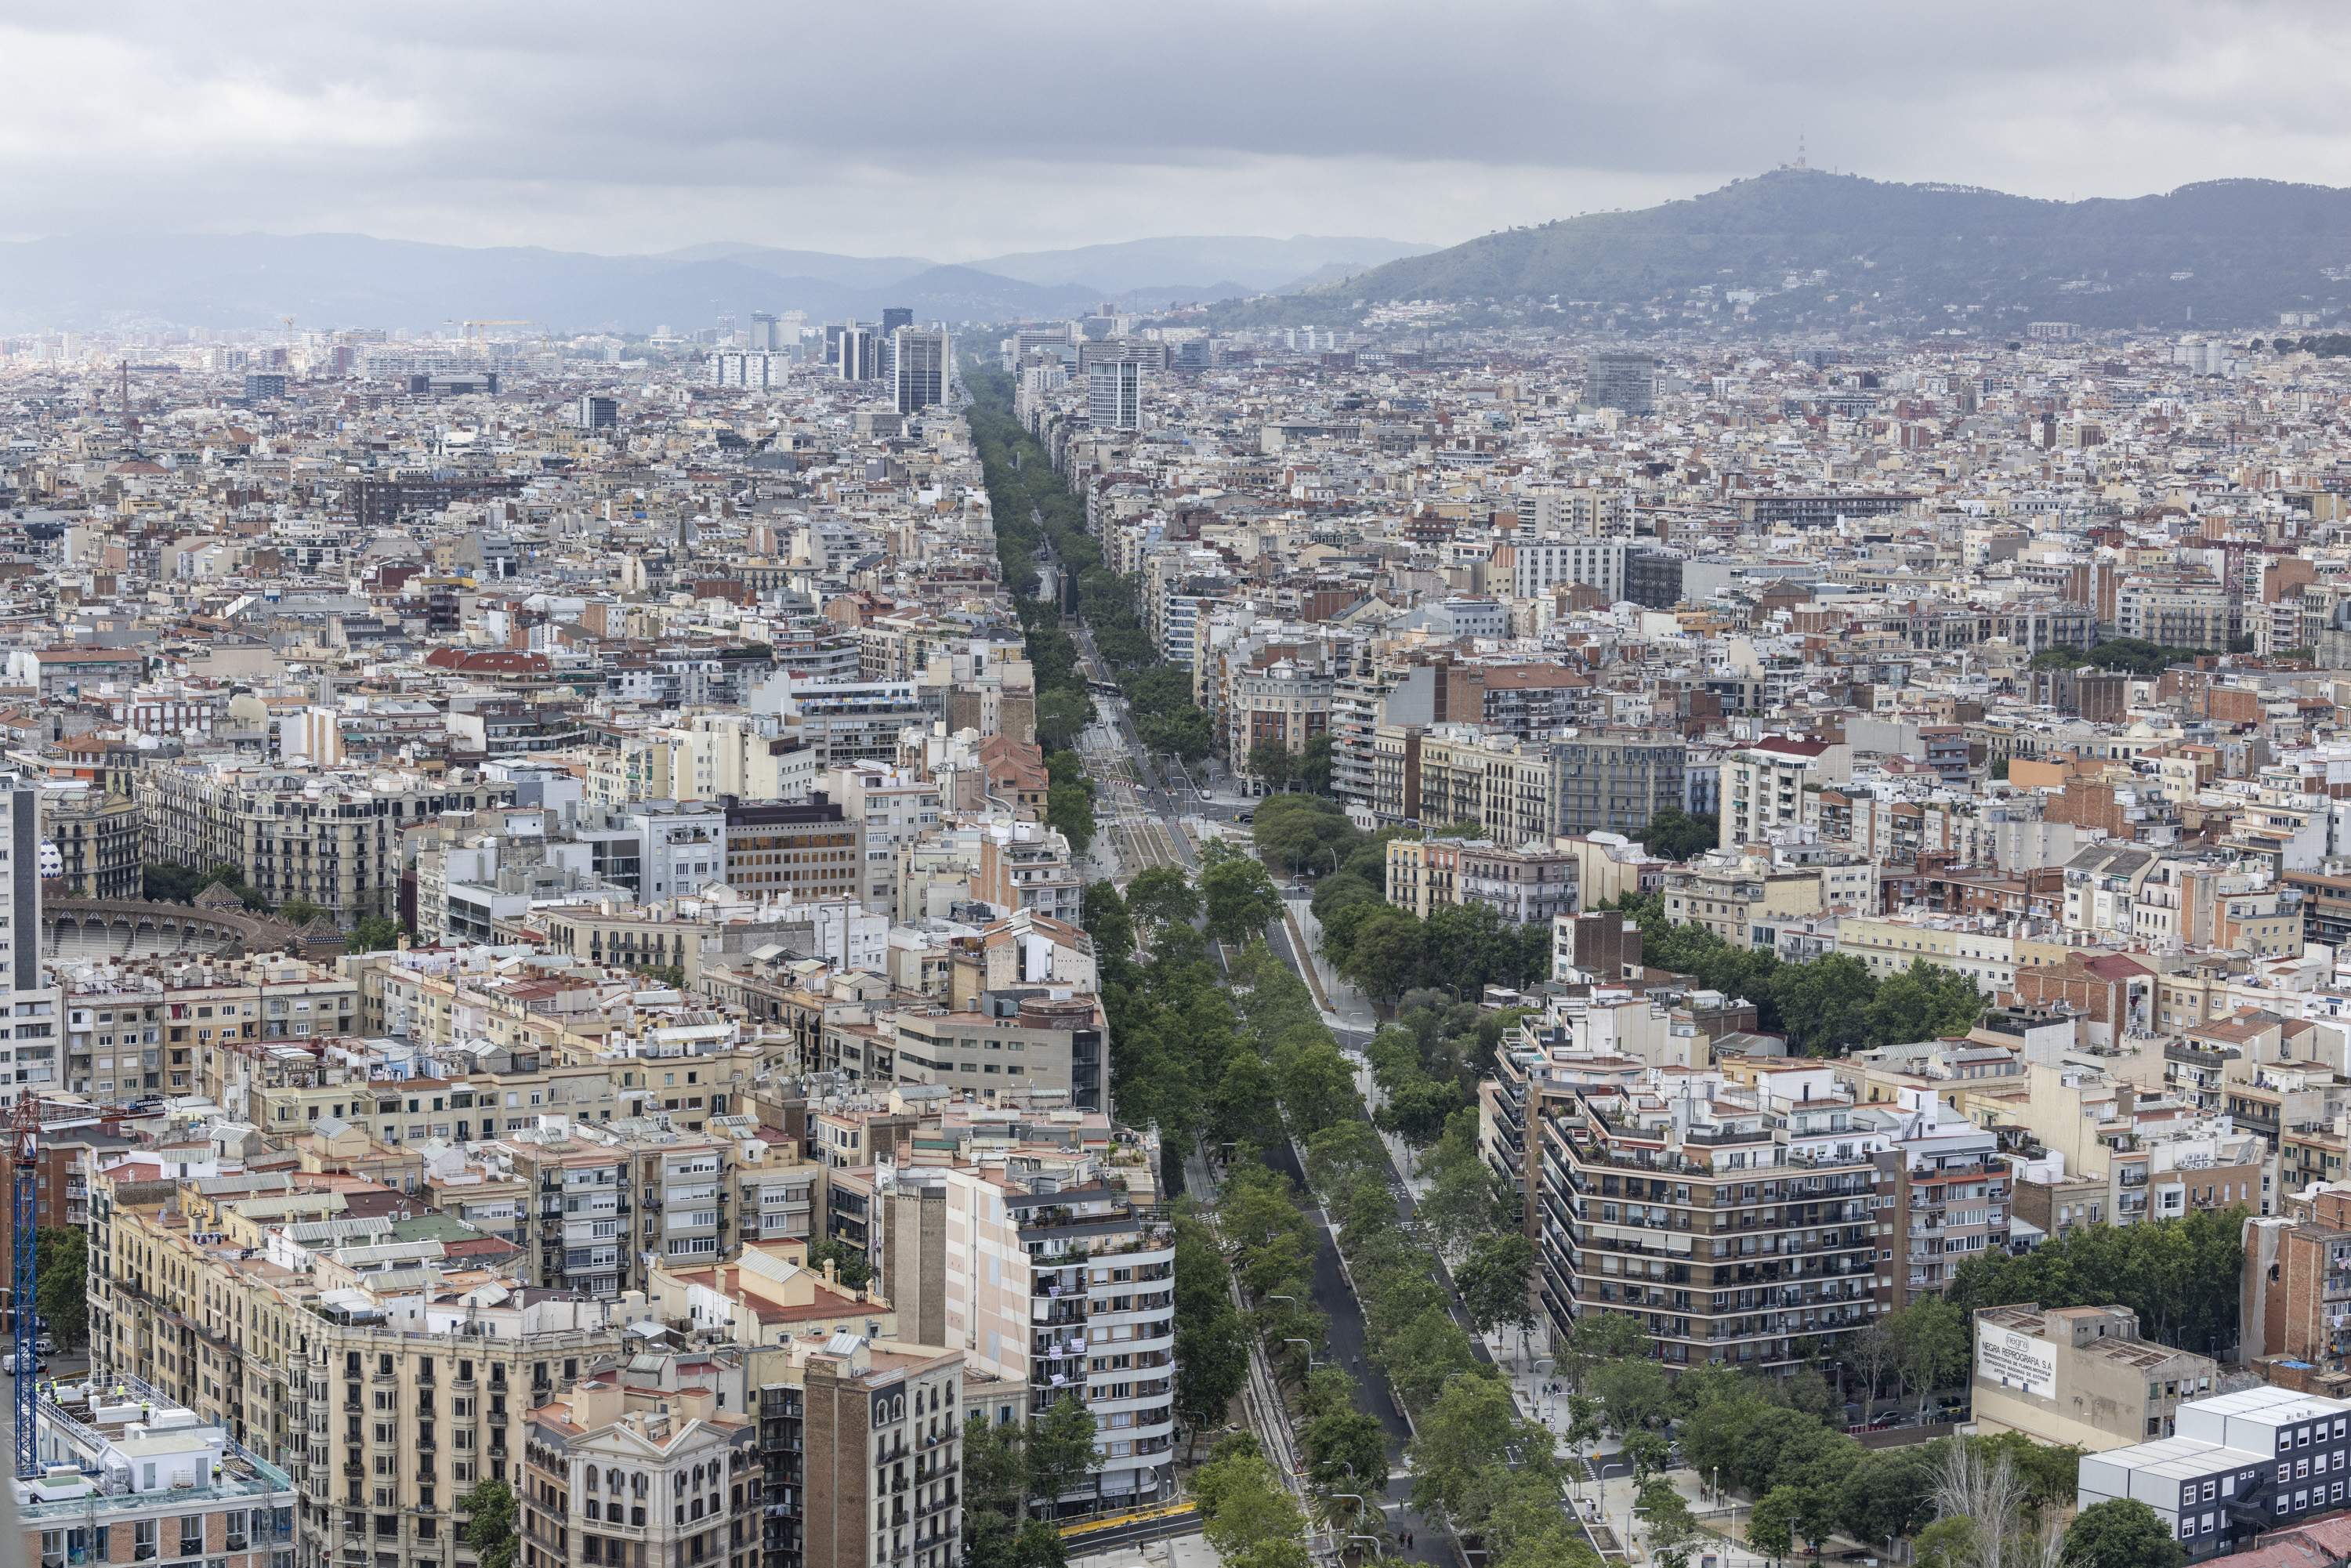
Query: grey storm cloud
x,y
956,130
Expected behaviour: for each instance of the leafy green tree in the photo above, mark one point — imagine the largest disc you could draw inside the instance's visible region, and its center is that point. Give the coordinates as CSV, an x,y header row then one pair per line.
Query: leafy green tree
x,y
2122,1532
1948,1542
1464,1433
1633,1392
1647,1452
1348,1449
1059,1450
2180,1275
854,1269
1186,732
300,912
1314,763
1815,1519
1667,1514
1038,1544
373,934
1385,953
1344,890
1493,1281
1924,1001
1344,1151
1583,1427
1824,1004
1239,899
1062,716
2049,1473
1461,1202
1161,897
1888,1495
1771,1526
61,1287
1211,1367
1425,1356
1304,833
996,1492
1272,764
1244,1108
1675,835
1930,1345
1244,1506
180,883
1599,1338
1109,921
1070,809
489,1523
1317,1088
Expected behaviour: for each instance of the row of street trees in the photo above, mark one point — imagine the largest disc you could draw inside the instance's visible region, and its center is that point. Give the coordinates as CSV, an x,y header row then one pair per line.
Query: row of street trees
x,y
1033,510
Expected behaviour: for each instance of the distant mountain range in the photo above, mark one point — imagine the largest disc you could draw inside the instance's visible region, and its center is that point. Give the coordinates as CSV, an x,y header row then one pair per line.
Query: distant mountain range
x,y
1820,249
251,281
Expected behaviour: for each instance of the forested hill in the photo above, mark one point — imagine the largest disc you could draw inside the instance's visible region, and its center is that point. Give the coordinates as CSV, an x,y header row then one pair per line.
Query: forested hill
x,y
1823,249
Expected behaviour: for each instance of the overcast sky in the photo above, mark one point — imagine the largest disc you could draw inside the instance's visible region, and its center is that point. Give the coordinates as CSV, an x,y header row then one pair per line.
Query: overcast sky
x,y
955,132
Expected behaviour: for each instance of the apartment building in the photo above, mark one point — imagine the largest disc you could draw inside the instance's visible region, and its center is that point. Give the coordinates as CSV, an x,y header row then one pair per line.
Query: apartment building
x,y
1990,951
1525,885
1744,898
893,809
1534,566
1944,1195
176,1026
858,1445
2296,1291
382,1411
800,852
1285,705
899,1410
1616,781
1765,786
847,722
1027,865
127,1476
608,1473
95,834
330,836
31,1056
1736,1224
1061,1283
1005,1044
605,1204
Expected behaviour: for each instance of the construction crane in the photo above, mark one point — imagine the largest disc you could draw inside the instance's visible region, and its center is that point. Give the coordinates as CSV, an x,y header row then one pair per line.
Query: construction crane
x,y
24,1243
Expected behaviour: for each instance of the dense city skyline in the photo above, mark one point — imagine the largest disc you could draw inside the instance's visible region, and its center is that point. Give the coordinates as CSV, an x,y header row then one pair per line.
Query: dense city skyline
x,y
1218,786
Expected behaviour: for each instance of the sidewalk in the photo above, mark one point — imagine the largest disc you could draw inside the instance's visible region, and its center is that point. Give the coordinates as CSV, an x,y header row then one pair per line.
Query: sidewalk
x,y
1347,1006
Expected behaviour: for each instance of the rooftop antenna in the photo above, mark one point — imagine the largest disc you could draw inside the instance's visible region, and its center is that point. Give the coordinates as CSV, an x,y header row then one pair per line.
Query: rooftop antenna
x,y
1799,149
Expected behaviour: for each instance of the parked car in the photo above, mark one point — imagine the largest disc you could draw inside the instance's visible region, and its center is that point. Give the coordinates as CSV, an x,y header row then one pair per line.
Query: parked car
x,y
46,1344
8,1365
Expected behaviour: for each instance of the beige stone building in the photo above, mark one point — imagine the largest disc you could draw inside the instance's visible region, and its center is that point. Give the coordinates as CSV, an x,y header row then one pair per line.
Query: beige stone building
x,y
332,837
2080,1375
